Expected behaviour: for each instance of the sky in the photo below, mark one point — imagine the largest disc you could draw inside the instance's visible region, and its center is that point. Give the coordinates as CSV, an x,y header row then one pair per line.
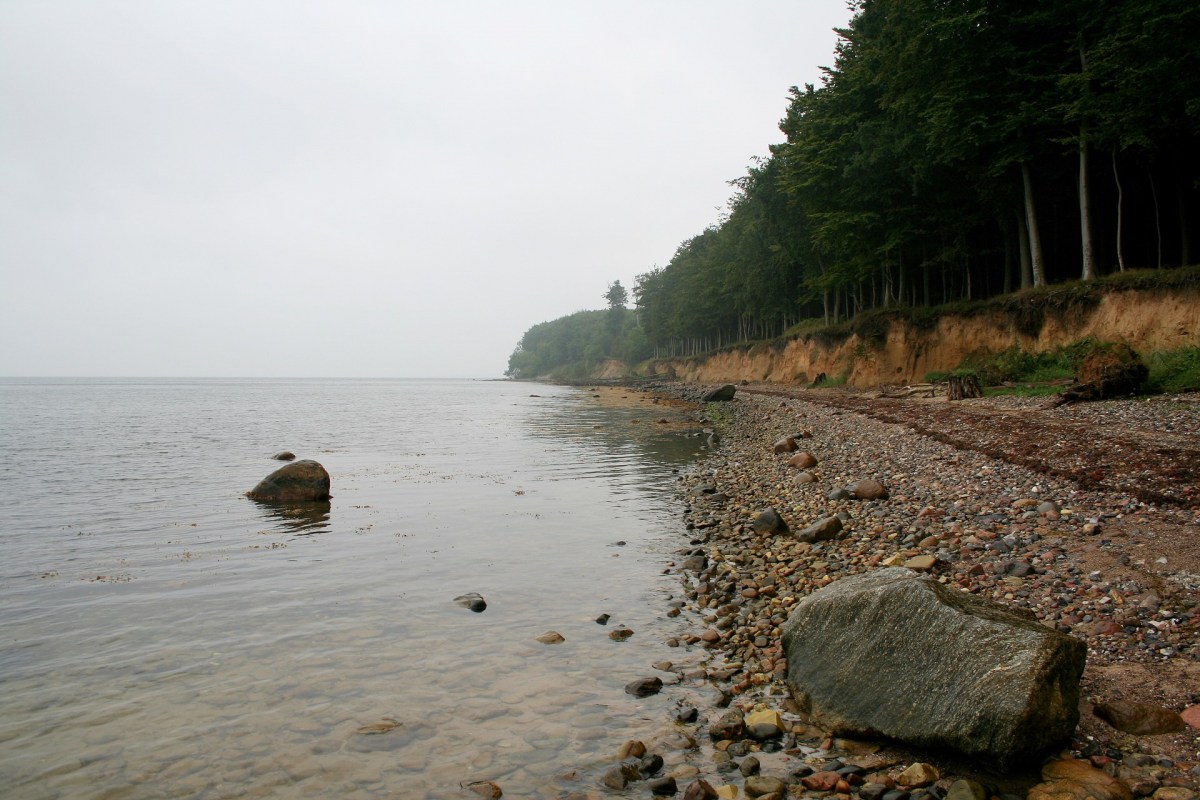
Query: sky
x,y
262,188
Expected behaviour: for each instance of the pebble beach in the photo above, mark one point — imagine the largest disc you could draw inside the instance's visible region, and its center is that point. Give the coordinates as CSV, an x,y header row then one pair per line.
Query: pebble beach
x,y
969,505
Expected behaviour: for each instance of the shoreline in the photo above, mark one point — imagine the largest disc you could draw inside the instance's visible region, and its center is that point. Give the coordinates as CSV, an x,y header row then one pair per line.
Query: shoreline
x,y
1081,567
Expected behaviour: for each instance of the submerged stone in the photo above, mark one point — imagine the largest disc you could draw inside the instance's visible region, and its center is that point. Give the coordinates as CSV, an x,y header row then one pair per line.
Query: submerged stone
x,y
298,482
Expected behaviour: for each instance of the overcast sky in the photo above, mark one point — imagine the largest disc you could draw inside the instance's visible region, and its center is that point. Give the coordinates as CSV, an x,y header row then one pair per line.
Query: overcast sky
x,y
256,188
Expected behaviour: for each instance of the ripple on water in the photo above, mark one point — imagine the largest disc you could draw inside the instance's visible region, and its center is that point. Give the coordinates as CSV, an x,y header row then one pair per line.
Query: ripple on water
x,y
235,650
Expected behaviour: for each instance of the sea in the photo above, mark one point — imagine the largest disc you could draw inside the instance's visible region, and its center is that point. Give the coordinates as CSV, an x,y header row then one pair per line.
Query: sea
x,y
163,636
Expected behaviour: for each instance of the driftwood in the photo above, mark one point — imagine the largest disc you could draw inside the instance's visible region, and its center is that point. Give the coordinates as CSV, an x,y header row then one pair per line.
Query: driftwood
x,y
964,386
912,390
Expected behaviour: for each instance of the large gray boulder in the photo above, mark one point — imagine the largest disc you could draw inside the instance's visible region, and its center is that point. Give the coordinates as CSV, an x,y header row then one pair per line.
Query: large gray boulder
x,y
895,654
721,394
298,482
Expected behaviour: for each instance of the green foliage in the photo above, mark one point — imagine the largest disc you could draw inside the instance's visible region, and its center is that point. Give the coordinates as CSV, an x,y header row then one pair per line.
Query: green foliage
x,y
832,383
1015,365
570,347
900,183
616,295
1174,371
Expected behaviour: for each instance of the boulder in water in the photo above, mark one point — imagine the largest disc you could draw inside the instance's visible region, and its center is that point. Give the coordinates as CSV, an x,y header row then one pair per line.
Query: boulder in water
x,y
896,654
472,600
299,482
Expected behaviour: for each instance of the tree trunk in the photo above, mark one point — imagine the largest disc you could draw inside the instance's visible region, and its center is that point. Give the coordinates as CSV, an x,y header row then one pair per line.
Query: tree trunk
x,y
1085,212
1120,212
1023,252
1036,259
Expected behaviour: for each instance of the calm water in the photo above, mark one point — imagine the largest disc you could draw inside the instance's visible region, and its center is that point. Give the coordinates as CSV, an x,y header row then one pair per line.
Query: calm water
x,y
163,636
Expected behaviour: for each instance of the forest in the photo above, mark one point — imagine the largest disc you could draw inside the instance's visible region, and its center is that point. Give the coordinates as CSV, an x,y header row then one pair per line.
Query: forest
x,y
955,150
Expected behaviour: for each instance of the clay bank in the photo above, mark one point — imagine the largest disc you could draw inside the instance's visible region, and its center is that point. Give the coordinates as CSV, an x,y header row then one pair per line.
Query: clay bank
x,y
899,349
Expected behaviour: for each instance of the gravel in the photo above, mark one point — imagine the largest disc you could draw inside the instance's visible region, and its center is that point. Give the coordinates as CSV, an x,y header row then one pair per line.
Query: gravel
x,y
1086,515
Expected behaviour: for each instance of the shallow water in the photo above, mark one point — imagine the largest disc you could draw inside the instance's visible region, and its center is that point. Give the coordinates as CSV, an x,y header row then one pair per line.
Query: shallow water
x,y
163,636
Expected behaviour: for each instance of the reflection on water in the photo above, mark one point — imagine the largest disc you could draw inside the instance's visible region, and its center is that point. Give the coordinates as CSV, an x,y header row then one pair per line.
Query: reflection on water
x,y
163,636
303,519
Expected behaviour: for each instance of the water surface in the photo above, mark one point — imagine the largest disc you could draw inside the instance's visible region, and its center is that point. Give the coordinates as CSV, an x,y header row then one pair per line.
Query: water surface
x,y
163,636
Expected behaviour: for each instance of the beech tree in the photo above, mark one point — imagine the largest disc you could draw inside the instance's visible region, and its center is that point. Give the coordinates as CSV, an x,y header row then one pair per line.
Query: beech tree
x,y
954,149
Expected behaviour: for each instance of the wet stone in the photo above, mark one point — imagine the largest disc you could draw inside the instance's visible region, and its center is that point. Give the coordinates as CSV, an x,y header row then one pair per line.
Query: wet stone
x,y
644,687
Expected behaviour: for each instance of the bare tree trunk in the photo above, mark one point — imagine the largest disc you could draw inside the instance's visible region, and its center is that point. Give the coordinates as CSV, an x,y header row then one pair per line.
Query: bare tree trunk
x,y
1085,212
1023,251
1036,259
1120,212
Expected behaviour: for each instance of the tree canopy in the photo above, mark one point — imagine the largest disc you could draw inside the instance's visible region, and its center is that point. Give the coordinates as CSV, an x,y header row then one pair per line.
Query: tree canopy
x,y
956,149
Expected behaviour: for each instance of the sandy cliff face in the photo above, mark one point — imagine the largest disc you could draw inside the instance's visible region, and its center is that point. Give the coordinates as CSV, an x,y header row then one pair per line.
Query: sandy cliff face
x,y
1146,320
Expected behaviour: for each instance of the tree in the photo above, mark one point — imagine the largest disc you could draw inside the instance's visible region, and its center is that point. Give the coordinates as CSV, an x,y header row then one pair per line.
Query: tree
x,y
616,295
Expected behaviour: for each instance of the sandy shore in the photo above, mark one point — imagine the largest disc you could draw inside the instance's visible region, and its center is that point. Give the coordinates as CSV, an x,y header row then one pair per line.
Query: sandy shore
x,y
1106,548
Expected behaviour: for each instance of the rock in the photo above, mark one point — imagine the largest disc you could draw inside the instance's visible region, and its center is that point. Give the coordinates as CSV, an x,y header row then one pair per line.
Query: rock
x,y
803,478
758,785
727,791
769,522
786,445
1140,719
824,781
868,489
966,790
284,455
644,687
618,777
921,563
1071,779
839,494
299,482
551,637
821,530
603,619
1191,716
663,786
486,789
1173,793
472,600
749,766
949,669
633,748
730,725
721,395
764,724
651,764
383,726
620,634
919,774
700,789
802,461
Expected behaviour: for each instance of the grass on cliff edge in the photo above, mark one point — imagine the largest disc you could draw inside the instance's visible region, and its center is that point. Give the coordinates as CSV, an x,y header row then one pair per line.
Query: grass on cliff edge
x,y
1016,371
1028,308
